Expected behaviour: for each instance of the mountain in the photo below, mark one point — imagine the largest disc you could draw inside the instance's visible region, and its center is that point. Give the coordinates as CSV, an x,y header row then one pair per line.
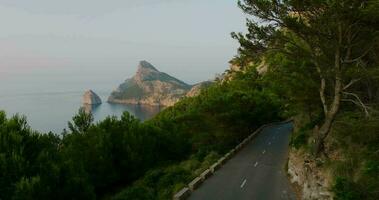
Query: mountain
x,y
150,87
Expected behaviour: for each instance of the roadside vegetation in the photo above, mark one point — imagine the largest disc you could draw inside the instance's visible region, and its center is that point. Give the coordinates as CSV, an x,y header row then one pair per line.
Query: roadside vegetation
x,y
123,158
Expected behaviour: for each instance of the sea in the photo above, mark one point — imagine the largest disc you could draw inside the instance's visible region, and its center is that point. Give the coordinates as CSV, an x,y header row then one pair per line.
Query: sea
x,y
50,98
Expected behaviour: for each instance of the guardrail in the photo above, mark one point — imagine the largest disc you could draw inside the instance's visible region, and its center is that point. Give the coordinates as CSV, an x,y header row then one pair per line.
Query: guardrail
x,y
195,183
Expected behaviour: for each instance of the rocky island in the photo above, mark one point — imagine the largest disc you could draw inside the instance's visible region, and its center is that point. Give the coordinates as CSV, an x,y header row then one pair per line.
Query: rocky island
x,y
150,87
91,98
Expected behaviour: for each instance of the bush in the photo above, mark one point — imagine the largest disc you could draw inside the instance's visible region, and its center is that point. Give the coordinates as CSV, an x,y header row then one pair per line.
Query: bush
x,y
300,139
345,189
357,172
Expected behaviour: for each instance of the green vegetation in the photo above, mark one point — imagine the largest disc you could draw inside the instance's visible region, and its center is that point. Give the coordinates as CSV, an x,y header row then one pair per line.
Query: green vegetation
x,y
85,163
134,91
126,159
329,45
321,67
213,123
357,172
322,60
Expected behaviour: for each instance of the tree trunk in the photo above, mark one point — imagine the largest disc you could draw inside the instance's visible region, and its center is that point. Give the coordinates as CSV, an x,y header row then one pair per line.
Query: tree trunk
x,y
334,107
324,130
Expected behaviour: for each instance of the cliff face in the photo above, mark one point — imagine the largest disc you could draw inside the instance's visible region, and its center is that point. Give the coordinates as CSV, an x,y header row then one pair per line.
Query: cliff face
x,y
91,98
196,89
150,86
311,181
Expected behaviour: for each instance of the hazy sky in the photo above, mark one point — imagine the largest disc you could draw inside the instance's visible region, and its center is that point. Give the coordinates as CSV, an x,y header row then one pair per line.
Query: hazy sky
x,y
189,39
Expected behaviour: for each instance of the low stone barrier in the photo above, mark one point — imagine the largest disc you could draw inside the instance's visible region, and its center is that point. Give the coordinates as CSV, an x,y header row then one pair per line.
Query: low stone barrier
x,y
182,194
238,147
228,156
232,152
245,141
186,192
215,167
206,174
195,183
222,160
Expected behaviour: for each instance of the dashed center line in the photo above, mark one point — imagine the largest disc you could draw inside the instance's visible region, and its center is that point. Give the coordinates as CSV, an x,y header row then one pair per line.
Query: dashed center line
x,y
264,152
269,143
243,183
256,164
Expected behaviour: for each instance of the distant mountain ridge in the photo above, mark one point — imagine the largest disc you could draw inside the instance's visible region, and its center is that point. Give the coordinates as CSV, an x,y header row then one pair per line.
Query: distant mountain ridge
x,y
149,86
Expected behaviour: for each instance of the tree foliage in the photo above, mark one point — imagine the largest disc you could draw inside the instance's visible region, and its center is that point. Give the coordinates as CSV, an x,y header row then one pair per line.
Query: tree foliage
x,y
96,160
334,43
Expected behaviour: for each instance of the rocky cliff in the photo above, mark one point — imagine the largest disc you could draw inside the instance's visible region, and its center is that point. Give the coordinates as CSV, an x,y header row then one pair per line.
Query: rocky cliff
x,y
196,89
91,98
151,87
312,182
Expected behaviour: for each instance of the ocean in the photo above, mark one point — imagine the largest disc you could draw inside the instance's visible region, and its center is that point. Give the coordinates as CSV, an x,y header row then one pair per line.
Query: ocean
x,y
50,98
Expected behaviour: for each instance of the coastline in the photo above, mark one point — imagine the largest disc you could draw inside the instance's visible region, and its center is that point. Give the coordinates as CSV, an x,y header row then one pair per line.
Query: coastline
x,y
146,102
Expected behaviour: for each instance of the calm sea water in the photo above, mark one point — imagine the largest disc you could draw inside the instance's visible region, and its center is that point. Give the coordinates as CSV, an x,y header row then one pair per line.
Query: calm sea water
x,y
50,99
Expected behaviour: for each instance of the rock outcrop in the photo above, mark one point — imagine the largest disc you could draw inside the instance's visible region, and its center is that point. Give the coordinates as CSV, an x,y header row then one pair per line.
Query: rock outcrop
x,y
91,98
151,87
312,182
196,89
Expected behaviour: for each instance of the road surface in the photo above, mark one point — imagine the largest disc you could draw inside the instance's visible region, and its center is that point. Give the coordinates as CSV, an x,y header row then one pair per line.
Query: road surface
x,y
255,173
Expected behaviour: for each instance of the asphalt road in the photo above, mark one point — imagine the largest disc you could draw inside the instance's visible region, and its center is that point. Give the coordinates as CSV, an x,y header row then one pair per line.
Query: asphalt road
x,y
255,173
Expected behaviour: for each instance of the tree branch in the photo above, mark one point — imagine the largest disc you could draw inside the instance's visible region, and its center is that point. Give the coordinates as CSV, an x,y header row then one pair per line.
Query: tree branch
x,y
322,90
346,61
351,83
358,102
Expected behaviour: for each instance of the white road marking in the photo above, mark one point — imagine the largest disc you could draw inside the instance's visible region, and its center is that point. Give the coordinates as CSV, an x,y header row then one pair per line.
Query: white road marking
x,y
243,183
256,164
269,143
264,152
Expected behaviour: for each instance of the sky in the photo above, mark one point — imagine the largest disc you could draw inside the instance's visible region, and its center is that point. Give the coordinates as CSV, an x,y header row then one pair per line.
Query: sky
x,y
189,39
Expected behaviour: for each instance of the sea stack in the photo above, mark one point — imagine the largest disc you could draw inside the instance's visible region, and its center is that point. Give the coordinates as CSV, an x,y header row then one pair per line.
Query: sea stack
x,y
91,98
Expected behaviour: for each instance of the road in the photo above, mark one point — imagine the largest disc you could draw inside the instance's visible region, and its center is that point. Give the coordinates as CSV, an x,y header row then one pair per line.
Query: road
x,y
255,173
